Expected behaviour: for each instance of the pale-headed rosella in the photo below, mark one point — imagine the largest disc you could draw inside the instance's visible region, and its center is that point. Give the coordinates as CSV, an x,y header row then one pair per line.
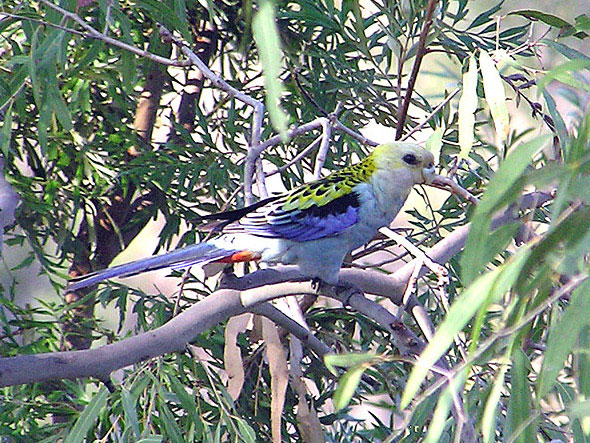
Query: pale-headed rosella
x,y
313,226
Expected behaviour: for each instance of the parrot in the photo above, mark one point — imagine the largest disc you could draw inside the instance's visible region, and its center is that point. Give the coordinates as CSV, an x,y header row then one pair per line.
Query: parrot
x,y
314,226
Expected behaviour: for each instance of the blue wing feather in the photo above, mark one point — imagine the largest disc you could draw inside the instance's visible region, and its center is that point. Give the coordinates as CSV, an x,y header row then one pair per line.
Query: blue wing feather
x,y
312,223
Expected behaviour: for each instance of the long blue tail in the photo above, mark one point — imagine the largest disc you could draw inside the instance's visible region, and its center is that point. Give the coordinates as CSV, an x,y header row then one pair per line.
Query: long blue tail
x,y
178,259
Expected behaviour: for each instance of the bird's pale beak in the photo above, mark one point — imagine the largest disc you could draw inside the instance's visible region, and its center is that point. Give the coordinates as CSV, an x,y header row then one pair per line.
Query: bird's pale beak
x,y
428,173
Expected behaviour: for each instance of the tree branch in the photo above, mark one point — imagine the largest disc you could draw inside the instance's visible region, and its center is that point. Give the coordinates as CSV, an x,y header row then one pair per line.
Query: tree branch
x,y
403,113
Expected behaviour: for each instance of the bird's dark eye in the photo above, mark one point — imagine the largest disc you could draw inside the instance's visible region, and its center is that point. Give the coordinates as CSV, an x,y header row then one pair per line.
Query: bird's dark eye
x,y
410,159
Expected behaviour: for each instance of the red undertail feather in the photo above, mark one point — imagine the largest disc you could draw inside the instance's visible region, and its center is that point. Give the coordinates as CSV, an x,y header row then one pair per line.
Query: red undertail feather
x,y
242,256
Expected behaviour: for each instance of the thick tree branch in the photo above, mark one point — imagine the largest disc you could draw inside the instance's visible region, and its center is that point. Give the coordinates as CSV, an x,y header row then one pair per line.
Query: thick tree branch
x,y
250,290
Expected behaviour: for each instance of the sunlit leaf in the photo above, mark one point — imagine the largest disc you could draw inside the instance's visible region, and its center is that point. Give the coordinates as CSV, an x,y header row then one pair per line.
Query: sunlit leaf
x,y
129,406
434,143
484,290
347,386
6,134
495,96
332,361
443,407
266,35
467,107
489,417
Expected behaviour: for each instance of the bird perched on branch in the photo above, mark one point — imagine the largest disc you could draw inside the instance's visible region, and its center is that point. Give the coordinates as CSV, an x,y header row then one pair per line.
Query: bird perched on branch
x,y
313,226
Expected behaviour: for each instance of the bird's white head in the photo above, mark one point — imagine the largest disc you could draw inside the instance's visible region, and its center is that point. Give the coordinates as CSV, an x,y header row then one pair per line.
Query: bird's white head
x,y
407,157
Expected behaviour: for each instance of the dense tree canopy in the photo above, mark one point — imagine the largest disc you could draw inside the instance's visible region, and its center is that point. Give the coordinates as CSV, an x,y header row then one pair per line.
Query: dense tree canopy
x,y
472,324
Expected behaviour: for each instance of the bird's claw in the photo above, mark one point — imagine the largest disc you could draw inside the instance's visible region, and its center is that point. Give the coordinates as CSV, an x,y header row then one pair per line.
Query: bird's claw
x,y
340,291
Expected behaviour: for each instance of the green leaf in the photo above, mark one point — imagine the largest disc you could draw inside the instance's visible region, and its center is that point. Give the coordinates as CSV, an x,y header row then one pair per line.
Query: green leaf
x,y
60,108
434,143
347,386
495,95
359,27
488,420
161,12
583,363
548,19
483,291
247,434
347,360
563,337
563,73
499,191
519,406
187,401
88,417
168,421
441,413
467,108
565,50
128,403
266,35
579,409
6,134
151,439
556,117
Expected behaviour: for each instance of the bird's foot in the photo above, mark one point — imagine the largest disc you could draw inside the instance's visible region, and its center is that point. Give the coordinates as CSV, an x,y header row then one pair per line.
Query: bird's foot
x,y
340,291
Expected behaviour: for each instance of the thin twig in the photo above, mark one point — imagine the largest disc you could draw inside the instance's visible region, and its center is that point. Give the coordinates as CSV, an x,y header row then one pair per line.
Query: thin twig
x,y
432,114
254,148
449,185
93,33
44,23
420,51
323,151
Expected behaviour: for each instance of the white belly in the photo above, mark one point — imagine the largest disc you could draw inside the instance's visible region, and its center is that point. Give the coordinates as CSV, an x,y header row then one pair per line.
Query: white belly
x,y
320,258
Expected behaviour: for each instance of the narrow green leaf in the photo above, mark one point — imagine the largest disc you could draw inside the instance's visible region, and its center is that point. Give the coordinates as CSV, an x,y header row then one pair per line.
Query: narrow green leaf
x,y
548,19
488,420
556,117
579,409
519,405
168,421
434,143
495,95
563,337
332,361
247,434
443,407
44,124
565,50
467,108
61,109
583,363
483,291
88,417
499,190
187,401
161,12
128,403
6,134
485,17
151,439
563,73
266,35
347,385
359,27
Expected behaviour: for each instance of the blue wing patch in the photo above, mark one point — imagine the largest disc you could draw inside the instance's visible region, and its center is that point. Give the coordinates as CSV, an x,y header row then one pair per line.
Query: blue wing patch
x,y
312,223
